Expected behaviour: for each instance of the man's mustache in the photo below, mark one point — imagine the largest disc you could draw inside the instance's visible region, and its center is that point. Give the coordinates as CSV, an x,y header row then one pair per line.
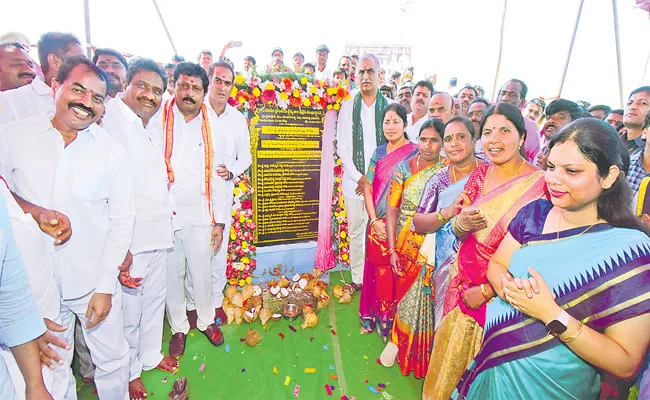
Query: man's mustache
x,y
27,74
86,109
191,100
143,99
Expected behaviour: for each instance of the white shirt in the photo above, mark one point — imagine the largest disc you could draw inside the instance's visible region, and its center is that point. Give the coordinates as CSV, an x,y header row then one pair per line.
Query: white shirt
x,y
26,101
36,251
413,129
187,194
232,124
345,140
166,96
89,181
153,213
323,75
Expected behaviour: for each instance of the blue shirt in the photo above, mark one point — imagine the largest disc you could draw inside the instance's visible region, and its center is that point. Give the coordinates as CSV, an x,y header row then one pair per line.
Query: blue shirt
x,y
636,172
20,321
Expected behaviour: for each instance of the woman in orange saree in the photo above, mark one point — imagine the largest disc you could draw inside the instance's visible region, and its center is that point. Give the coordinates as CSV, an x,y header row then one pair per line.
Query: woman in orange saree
x,y
492,197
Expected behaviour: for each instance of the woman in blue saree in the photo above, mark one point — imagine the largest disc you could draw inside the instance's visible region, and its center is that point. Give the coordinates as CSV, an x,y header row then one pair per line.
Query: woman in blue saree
x,y
585,305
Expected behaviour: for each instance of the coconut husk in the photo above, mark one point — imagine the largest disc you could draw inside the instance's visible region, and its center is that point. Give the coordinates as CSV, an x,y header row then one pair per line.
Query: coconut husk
x,y
346,298
323,301
316,291
248,292
316,273
337,291
226,303
284,282
306,276
238,300
230,313
239,315
251,315
252,337
230,291
265,314
272,283
311,320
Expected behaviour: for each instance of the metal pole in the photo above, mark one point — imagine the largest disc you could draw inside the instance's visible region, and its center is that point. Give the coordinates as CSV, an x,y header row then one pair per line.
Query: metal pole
x,y
87,24
573,39
618,53
162,21
647,61
503,22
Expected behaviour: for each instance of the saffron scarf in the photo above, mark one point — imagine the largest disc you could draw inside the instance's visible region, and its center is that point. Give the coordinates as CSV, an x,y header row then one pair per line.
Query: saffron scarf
x,y
357,129
168,128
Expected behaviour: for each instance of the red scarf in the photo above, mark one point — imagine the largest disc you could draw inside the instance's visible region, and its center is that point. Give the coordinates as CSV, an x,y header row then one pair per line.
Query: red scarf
x,y
168,128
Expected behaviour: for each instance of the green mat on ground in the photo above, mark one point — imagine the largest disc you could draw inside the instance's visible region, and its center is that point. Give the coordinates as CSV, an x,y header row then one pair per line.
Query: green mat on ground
x,y
247,373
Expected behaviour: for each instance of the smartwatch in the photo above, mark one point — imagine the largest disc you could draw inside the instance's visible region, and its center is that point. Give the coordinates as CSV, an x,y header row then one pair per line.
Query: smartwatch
x,y
560,324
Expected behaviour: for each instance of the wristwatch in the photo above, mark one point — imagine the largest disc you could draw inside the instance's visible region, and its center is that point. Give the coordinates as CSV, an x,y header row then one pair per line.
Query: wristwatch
x,y
560,324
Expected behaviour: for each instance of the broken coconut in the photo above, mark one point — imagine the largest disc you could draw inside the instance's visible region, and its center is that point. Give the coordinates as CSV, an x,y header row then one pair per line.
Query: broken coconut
x,y
264,316
323,301
346,298
284,292
230,312
237,300
296,278
284,282
257,290
248,292
302,283
311,320
238,315
275,290
230,291
337,291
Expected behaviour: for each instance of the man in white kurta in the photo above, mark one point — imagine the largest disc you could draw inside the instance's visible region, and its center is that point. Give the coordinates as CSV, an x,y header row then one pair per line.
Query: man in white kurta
x,y
419,104
128,120
353,178
232,124
199,214
71,165
36,98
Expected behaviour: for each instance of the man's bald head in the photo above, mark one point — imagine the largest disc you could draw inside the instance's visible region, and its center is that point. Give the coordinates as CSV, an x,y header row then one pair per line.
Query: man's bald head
x,y
441,106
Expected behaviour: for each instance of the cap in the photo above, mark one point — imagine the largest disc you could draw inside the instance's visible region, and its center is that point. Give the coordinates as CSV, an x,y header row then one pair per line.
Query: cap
x,y
277,49
322,47
15,37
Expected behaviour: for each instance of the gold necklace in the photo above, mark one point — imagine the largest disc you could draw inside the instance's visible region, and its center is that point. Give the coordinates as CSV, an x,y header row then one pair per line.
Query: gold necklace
x,y
523,162
453,170
390,149
558,228
417,162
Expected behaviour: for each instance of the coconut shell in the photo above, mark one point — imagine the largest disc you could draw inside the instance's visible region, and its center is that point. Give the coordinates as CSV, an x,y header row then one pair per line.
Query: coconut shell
x,y
239,315
316,291
251,315
275,290
284,282
310,285
311,320
253,302
248,292
272,283
237,300
284,292
346,298
316,273
230,291
306,276
257,291
226,303
252,338
265,315
296,278
337,291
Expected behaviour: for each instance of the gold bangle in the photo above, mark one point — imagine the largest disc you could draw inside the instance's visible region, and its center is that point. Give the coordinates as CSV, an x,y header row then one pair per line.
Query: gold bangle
x,y
460,228
484,291
575,335
441,218
372,222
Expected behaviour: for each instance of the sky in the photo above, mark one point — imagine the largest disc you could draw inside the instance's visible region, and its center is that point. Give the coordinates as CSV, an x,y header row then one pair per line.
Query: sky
x,y
451,38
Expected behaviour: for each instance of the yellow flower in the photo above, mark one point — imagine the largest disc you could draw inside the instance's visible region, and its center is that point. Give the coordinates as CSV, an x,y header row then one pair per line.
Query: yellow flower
x,y
313,89
306,103
239,79
242,282
295,93
343,235
233,91
316,98
248,280
283,96
233,235
256,92
344,257
241,100
338,179
337,106
245,260
329,107
331,91
242,187
304,80
237,192
244,245
343,213
232,281
269,86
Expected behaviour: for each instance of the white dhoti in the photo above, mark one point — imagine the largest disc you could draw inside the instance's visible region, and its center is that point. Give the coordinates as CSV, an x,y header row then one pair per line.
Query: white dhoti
x,y
107,345
191,257
357,224
144,311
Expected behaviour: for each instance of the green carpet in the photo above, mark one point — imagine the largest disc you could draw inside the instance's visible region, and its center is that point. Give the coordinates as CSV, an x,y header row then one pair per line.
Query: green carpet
x,y
247,373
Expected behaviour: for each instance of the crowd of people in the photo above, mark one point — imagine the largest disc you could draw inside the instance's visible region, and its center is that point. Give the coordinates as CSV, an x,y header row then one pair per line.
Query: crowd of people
x,y
500,249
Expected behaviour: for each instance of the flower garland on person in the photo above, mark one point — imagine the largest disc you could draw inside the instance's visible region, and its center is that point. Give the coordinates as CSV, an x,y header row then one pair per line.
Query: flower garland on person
x,y
341,239
241,261
287,90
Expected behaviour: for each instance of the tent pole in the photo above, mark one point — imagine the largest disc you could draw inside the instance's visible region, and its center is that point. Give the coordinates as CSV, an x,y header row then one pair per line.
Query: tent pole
x,y
618,52
568,57
89,50
496,74
162,21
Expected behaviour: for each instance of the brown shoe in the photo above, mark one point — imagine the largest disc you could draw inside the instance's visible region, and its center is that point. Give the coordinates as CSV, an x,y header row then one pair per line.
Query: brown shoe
x,y
191,318
180,390
177,345
220,316
214,334
356,287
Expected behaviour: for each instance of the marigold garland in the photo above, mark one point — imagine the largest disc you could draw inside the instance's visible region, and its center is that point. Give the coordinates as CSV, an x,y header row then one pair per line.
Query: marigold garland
x,y
341,239
241,261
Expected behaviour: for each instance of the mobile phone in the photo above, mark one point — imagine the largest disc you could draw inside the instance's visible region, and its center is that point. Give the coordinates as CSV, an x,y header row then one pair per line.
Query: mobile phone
x,y
235,44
